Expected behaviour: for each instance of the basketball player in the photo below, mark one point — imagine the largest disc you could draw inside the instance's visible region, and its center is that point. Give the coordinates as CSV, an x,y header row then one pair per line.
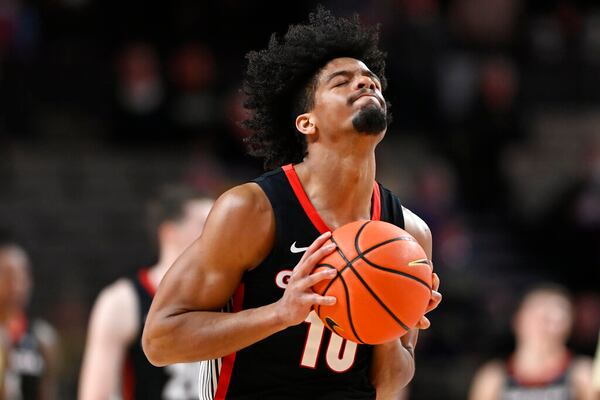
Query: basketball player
x,y
318,113
541,366
6,290
596,371
113,360
31,357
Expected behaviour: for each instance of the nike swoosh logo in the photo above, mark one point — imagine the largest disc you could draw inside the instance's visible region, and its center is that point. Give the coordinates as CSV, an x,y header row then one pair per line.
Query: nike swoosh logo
x,y
295,249
334,326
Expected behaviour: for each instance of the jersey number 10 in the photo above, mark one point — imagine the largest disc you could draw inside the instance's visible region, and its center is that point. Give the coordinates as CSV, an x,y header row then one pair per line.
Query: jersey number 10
x,y
340,352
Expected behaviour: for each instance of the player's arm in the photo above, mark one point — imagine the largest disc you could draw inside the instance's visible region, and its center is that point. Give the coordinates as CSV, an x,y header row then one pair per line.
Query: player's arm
x,y
596,372
393,364
581,379
50,349
487,382
3,357
111,329
184,323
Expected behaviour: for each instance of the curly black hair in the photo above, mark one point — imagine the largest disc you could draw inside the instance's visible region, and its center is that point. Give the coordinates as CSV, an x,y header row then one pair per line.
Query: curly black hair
x,y
280,80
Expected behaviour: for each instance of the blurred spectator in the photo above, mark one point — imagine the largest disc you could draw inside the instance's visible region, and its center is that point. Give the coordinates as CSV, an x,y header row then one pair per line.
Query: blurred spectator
x,y
33,355
6,288
487,22
193,73
541,366
140,89
140,94
114,361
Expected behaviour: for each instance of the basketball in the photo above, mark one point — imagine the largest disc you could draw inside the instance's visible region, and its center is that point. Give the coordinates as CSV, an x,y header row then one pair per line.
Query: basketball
x,y
383,284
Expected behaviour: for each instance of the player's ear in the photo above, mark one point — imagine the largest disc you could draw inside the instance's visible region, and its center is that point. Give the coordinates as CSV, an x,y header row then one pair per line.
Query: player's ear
x,y
305,124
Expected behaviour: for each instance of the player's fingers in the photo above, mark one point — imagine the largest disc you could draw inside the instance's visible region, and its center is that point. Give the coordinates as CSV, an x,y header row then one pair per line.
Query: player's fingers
x,y
319,300
436,282
305,267
436,298
316,245
313,279
423,323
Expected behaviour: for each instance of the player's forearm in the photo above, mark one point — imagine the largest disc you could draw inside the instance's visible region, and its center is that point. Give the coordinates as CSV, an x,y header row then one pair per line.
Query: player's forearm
x,y
99,374
392,369
203,335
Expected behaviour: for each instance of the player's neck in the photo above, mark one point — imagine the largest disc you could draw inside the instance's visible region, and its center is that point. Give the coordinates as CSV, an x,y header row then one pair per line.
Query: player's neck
x,y
339,183
532,363
540,353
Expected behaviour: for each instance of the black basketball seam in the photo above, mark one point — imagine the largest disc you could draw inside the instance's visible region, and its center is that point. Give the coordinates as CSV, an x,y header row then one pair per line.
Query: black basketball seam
x,y
365,252
393,271
381,303
346,291
361,254
378,245
349,264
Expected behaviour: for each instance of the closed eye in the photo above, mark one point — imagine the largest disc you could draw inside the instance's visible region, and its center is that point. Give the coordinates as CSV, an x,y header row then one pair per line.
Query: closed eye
x,y
340,83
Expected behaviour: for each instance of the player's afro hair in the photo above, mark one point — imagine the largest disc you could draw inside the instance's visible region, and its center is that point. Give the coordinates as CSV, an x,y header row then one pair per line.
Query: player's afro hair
x,y
280,80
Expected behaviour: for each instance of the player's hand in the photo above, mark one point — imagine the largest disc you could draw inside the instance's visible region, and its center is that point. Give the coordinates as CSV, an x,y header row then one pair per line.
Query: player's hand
x,y
298,298
436,298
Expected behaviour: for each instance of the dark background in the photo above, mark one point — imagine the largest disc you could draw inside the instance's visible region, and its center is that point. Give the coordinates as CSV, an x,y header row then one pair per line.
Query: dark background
x,y
495,143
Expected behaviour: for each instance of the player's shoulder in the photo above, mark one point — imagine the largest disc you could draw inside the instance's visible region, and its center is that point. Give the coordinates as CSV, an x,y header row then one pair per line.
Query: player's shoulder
x,y
488,380
120,291
494,367
44,331
418,228
581,370
491,373
116,308
245,199
242,215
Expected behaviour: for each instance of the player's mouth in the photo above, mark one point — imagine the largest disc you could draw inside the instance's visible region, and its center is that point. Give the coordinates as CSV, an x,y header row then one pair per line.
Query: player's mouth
x,y
365,93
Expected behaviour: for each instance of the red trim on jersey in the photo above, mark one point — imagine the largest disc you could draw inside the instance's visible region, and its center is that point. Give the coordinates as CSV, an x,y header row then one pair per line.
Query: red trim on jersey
x,y
376,212
542,381
310,210
17,327
144,277
228,361
128,380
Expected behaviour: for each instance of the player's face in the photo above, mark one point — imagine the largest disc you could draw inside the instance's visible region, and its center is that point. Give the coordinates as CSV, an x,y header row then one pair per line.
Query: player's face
x,y
348,97
191,225
544,316
14,272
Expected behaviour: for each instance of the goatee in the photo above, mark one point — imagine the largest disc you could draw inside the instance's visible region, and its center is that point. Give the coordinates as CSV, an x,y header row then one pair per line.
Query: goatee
x,y
370,120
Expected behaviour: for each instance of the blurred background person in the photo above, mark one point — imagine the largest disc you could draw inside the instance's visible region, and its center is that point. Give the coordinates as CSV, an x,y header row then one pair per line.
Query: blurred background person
x,y
6,285
541,366
32,357
596,378
114,362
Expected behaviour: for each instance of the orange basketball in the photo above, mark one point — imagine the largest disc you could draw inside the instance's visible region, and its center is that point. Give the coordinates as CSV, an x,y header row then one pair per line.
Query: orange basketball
x,y
383,283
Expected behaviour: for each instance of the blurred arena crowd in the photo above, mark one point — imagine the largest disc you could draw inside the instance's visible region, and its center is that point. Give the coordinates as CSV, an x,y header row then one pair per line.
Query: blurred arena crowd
x,y
495,143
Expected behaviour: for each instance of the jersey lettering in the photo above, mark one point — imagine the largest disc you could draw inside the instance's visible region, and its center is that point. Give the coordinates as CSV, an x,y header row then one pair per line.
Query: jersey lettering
x,y
182,382
340,352
282,278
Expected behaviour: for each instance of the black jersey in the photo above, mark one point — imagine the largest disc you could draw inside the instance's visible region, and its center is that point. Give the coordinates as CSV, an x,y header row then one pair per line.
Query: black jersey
x,y
306,361
27,363
142,380
555,388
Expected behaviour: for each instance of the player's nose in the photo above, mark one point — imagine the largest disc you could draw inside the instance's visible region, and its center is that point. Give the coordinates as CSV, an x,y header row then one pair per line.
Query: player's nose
x,y
365,82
